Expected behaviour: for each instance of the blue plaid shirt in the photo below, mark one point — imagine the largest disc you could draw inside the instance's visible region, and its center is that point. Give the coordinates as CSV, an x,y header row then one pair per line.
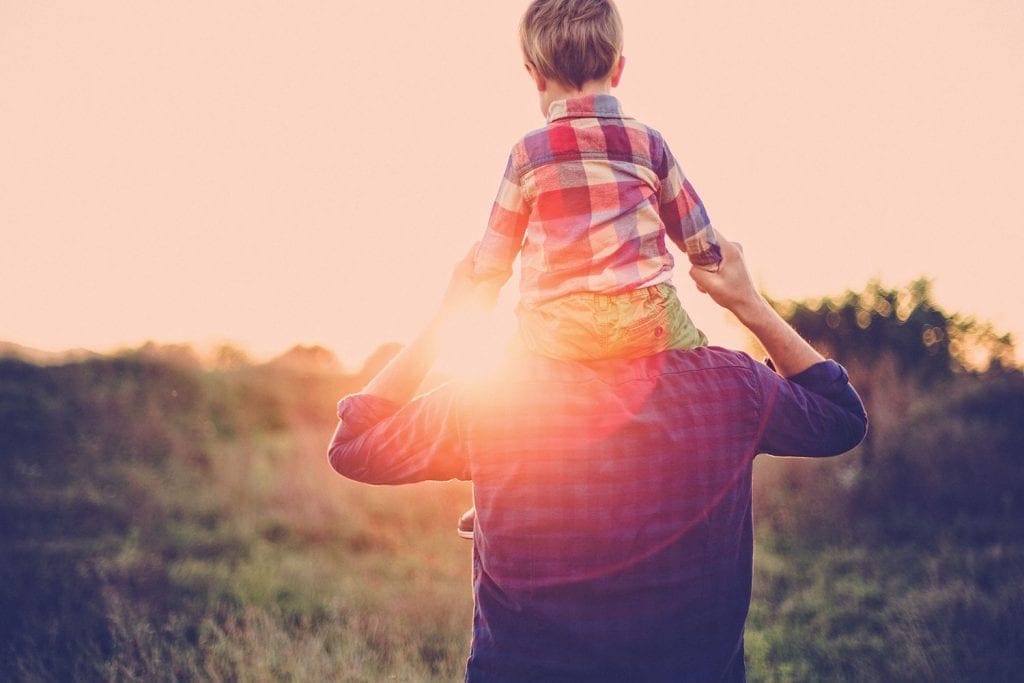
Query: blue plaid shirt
x,y
614,537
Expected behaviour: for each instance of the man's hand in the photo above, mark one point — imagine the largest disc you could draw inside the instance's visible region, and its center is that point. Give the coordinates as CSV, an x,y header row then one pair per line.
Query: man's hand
x,y
400,378
464,292
732,288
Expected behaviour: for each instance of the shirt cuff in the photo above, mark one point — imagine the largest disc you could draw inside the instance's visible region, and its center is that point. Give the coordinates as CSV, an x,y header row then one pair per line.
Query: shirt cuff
x,y
360,412
712,256
827,378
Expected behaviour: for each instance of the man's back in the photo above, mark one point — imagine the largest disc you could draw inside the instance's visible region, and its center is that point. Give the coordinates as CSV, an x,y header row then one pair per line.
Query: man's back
x,y
614,529
613,499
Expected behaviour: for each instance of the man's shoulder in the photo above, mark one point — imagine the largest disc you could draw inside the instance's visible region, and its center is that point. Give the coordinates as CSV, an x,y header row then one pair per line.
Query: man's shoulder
x,y
542,389
715,363
710,357
531,368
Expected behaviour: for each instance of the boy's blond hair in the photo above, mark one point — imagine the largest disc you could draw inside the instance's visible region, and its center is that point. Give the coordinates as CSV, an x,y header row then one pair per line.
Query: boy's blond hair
x,y
572,41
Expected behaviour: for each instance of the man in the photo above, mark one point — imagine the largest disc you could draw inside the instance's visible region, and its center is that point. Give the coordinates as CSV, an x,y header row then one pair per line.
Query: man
x,y
614,537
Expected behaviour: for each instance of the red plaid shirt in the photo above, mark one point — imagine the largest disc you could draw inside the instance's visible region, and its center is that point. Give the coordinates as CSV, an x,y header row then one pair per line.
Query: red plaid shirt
x,y
593,194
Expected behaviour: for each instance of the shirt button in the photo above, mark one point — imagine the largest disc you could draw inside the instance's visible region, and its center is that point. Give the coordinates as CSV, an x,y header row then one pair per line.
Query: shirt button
x,y
658,331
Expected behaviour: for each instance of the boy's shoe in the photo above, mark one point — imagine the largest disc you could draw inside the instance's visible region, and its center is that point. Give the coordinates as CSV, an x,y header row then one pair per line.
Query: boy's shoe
x,y
467,522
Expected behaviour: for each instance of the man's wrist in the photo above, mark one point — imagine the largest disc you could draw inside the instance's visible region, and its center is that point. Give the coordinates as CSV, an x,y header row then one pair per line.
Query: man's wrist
x,y
399,380
754,312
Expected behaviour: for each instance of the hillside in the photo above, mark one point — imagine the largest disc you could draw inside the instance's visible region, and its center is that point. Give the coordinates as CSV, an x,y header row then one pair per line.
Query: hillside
x,y
163,520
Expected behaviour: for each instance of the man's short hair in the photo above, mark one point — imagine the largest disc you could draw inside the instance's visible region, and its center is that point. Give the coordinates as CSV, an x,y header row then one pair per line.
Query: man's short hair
x,y
572,41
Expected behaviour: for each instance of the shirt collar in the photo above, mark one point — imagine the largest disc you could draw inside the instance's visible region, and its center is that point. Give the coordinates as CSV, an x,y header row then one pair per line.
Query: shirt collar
x,y
600,106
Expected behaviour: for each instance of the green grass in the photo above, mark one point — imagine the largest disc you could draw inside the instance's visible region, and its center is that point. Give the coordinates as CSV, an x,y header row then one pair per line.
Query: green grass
x,y
152,545
894,613
325,598
249,573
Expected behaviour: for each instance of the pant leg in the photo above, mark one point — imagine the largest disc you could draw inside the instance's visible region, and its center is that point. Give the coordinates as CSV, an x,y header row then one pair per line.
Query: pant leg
x,y
682,332
590,326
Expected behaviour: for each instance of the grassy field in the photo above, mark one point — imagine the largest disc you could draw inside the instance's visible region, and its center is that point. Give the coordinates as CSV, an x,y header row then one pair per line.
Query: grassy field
x,y
862,608
162,521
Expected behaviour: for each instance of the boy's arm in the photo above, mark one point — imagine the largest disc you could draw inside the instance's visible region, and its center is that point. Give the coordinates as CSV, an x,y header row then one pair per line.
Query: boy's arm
x,y
505,229
682,212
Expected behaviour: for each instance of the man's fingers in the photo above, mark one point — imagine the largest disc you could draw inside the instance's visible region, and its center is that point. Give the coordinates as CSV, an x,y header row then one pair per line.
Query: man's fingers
x,y
723,240
730,249
697,274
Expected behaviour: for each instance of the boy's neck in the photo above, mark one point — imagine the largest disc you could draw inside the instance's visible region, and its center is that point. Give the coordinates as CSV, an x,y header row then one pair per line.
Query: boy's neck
x,y
561,92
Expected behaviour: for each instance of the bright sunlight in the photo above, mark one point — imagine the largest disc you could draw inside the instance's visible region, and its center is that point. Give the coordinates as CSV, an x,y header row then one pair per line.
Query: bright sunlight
x,y
472,344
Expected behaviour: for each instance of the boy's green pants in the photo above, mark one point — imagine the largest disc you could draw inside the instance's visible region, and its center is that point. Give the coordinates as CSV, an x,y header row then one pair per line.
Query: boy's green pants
x,y
590,326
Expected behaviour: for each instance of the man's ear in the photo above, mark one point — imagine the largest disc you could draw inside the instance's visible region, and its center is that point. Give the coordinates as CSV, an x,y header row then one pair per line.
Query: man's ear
x,y
617,71
538,78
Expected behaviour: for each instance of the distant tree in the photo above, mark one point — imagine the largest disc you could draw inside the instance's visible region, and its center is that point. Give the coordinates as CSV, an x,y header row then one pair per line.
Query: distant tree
x,y
181,355
313,358
230,357
898,344
927,343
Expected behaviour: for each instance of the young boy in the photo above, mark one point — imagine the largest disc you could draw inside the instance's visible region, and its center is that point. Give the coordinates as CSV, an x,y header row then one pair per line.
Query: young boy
x,y
588,200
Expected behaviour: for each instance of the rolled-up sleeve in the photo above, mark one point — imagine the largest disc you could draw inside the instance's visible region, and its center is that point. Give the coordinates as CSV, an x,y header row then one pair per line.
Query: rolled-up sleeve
x,y
814,413
686,221
380,442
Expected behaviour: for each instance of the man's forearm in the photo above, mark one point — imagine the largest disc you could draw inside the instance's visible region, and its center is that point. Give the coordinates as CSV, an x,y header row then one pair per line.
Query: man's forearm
x,y
402,376
732,288
789,352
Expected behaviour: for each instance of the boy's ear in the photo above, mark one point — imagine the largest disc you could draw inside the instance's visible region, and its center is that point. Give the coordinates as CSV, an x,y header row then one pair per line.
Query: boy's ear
x,y
617,71
538,78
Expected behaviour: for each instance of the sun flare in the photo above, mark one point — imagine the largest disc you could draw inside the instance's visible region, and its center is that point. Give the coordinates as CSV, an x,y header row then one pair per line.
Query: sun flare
x,y
472,344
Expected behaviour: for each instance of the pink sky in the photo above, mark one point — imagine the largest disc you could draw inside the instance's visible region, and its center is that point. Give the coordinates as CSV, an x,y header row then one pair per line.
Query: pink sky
x,y
306,172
